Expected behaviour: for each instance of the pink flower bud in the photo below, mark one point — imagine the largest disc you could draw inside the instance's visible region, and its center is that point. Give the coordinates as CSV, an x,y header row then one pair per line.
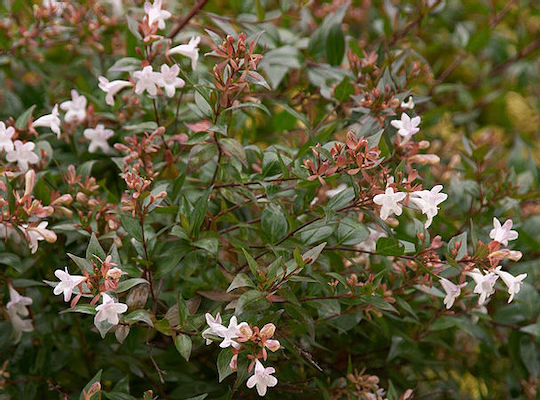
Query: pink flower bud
x,y
424,159
29,181
65,199
81,198
513,255
272,345
245,330
268,330
423,144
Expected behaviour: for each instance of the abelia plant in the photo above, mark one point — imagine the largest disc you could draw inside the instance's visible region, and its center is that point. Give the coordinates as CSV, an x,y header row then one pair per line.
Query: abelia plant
x,y
316,189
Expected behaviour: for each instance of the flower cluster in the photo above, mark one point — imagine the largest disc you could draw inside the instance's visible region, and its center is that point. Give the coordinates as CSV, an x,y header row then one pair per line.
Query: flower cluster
x,y
28,213
96,283
242,337
426,201
485,279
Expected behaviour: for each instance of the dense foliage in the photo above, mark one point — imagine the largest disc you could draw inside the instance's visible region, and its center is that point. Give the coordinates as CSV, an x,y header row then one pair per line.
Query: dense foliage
x,y
220,200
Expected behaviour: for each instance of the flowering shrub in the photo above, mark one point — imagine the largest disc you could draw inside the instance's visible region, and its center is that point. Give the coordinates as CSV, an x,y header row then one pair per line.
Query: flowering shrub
x,y
332,200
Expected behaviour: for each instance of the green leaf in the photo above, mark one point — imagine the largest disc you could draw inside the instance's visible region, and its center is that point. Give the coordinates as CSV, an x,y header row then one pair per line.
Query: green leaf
x,y
274,223
81,308
24,118
140,316
460,240
248,105
199,213
202,105
211,245
240,280
223,361
95,249
316,232
95,379
343,91
183,344
533,329
342,199
129,283
82,263
351,232
132,226
183,311
252,300
199,397
133,27
253,266
311,255
335,45
143,126
389,247
443,323
164,327
479,40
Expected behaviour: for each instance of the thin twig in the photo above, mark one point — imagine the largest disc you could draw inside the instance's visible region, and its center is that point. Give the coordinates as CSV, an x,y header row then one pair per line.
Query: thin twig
x,y
196,8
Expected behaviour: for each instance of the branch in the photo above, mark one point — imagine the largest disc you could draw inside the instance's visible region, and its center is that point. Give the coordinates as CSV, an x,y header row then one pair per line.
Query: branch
x,y
196,8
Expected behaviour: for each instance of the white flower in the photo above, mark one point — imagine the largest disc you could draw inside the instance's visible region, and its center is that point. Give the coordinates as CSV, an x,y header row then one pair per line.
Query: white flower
x,y
147,80
5,137
16,309
18,303
214,327
262,377
37,233
170,80
502,234
408,104
484,284
428,200
112,88
512,282
389,202
109,310
67,283
51,121
230,333
154,13
190,50
98,138
75,108
406,126
452,291
23,155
